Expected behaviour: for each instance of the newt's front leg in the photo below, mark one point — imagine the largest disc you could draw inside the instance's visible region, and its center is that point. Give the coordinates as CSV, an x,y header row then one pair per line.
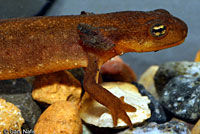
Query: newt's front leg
x,y
92,42
116,106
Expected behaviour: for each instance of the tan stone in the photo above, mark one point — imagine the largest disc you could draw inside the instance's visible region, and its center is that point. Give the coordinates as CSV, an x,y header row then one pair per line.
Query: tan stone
x,y
197,58
61,117
57,86
196,128
147,80
10,117
96,114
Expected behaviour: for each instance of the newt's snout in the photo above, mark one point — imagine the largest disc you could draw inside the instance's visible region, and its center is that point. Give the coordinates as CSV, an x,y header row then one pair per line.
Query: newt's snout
x,y
183,28
177,32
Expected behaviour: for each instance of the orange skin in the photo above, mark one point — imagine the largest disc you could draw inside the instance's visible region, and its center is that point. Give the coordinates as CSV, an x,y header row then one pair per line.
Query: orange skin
x,y
39,45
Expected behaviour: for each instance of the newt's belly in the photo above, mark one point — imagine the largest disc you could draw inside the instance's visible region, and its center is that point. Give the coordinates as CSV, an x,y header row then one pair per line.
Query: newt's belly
x,y
39,54
21,62
31,53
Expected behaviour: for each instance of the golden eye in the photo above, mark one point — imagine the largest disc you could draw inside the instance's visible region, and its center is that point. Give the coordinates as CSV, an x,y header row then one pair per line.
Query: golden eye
x,y
158,30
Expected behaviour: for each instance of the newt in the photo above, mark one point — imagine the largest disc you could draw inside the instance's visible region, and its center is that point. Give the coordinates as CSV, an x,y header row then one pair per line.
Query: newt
x,y
39,45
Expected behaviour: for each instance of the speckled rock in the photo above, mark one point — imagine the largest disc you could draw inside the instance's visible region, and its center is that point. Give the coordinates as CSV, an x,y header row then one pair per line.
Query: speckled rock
x,y
10,117
157,112
170,70
181,96
18,92
171,127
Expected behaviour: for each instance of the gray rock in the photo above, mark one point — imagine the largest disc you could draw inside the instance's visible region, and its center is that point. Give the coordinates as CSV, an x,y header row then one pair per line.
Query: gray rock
x,y
170,70
18,92
181,96
157,112
171,127
14,86
78,73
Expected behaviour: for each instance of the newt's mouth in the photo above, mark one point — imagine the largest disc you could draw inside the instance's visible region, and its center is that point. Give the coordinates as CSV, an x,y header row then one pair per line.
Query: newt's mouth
x,y
173,44
157,48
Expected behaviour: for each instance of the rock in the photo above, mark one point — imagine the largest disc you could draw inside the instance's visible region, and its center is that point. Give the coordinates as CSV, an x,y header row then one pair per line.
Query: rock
x,y
10,118
157,112
196,128
30,110
61,117
18,92
96,114
49,88
181,96
197,58
188,125
14,86
30,79
171,127
117,70
147,80
86,130
170,70
78,73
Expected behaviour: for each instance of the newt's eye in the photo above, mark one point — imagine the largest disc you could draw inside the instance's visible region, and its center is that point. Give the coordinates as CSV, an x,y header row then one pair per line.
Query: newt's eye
x,y
158,30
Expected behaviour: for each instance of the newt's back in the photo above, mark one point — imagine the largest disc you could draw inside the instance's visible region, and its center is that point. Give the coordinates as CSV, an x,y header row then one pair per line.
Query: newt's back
x,y
40,45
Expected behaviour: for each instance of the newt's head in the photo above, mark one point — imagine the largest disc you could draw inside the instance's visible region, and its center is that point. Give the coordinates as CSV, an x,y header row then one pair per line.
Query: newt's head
x,y
147,31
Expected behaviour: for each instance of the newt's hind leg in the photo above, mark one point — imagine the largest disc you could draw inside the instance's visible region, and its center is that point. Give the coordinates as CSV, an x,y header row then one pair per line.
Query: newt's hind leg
x,y
96,45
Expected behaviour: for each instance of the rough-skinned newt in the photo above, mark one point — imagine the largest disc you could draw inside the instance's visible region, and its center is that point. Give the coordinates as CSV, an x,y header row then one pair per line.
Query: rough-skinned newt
x,y
38,45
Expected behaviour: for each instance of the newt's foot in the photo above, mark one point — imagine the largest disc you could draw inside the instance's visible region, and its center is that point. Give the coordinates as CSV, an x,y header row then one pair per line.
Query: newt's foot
x,y
119,111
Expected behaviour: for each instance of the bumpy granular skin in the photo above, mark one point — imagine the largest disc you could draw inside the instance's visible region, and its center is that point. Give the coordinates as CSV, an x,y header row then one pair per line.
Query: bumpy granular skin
x,y
32,46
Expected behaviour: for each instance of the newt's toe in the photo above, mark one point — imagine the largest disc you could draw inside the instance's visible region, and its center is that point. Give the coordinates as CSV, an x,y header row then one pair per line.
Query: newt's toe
x,y
127,107
126,119
114,117
120,112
